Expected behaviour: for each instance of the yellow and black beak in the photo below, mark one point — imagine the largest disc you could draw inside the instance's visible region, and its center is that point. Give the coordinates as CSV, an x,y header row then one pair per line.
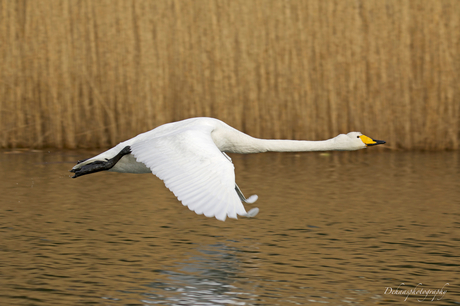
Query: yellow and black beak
x,y
371,142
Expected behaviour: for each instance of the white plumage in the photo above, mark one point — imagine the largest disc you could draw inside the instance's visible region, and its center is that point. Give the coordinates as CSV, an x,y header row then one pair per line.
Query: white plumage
x,y
189,157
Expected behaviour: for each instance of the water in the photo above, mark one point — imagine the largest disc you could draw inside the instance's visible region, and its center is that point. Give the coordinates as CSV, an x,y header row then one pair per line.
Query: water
x,y
335,229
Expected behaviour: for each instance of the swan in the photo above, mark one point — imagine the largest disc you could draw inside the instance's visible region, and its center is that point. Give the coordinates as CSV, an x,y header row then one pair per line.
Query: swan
x,y
190,157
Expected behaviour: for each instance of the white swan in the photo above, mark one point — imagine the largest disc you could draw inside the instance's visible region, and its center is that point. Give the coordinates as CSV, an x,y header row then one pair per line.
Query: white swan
x,y
189,157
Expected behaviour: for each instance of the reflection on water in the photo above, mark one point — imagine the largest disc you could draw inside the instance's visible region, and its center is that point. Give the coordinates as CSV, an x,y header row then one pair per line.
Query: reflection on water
x,y
336,229
203,278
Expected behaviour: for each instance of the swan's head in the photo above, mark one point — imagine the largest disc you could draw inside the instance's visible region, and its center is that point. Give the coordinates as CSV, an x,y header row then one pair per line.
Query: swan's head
x,y
356,141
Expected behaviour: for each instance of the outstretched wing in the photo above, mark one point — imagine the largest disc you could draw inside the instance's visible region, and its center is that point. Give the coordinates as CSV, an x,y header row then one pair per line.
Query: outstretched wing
x,y
194,169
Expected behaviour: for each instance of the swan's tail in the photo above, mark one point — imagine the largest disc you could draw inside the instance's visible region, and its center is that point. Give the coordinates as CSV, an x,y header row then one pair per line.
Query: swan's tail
x,y
98,163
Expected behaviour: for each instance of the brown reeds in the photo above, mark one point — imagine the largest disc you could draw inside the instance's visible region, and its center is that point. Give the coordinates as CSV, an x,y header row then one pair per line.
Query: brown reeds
x,y
92,73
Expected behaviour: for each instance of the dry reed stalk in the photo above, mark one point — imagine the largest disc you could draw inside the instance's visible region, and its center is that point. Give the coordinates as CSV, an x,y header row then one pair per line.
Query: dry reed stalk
x,y
91,73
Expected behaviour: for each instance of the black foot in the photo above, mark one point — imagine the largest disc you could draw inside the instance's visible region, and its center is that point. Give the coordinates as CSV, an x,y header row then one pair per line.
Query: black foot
x,y
100,165
80,161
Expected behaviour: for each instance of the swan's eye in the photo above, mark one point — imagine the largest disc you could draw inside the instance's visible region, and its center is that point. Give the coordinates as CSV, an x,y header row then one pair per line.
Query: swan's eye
x,y
357,136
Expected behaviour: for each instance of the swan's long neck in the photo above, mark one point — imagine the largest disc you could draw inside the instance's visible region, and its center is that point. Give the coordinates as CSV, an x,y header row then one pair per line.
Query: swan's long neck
x,y
272,145
246,144
233,141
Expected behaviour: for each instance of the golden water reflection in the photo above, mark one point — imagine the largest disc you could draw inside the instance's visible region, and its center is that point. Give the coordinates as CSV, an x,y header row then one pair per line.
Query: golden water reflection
x,y
336,228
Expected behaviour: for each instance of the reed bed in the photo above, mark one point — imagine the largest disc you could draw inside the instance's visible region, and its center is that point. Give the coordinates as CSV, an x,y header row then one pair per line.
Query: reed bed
x,y
85,74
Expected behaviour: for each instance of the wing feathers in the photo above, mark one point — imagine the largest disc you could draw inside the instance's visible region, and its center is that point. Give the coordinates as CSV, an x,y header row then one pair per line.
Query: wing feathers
x,y
194,169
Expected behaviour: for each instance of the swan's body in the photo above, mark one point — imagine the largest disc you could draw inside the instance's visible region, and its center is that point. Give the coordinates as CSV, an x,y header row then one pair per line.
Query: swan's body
x,y
189,157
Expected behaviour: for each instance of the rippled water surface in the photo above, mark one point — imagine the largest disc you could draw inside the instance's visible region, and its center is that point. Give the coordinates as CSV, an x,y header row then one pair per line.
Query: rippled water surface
x,y
335,229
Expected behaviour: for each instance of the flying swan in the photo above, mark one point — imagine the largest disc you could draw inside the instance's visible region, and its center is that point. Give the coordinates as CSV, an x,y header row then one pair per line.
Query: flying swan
x,y
189,156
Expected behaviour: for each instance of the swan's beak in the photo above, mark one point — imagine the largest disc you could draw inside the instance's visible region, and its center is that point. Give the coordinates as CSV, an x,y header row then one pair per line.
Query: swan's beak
x,y
371,142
